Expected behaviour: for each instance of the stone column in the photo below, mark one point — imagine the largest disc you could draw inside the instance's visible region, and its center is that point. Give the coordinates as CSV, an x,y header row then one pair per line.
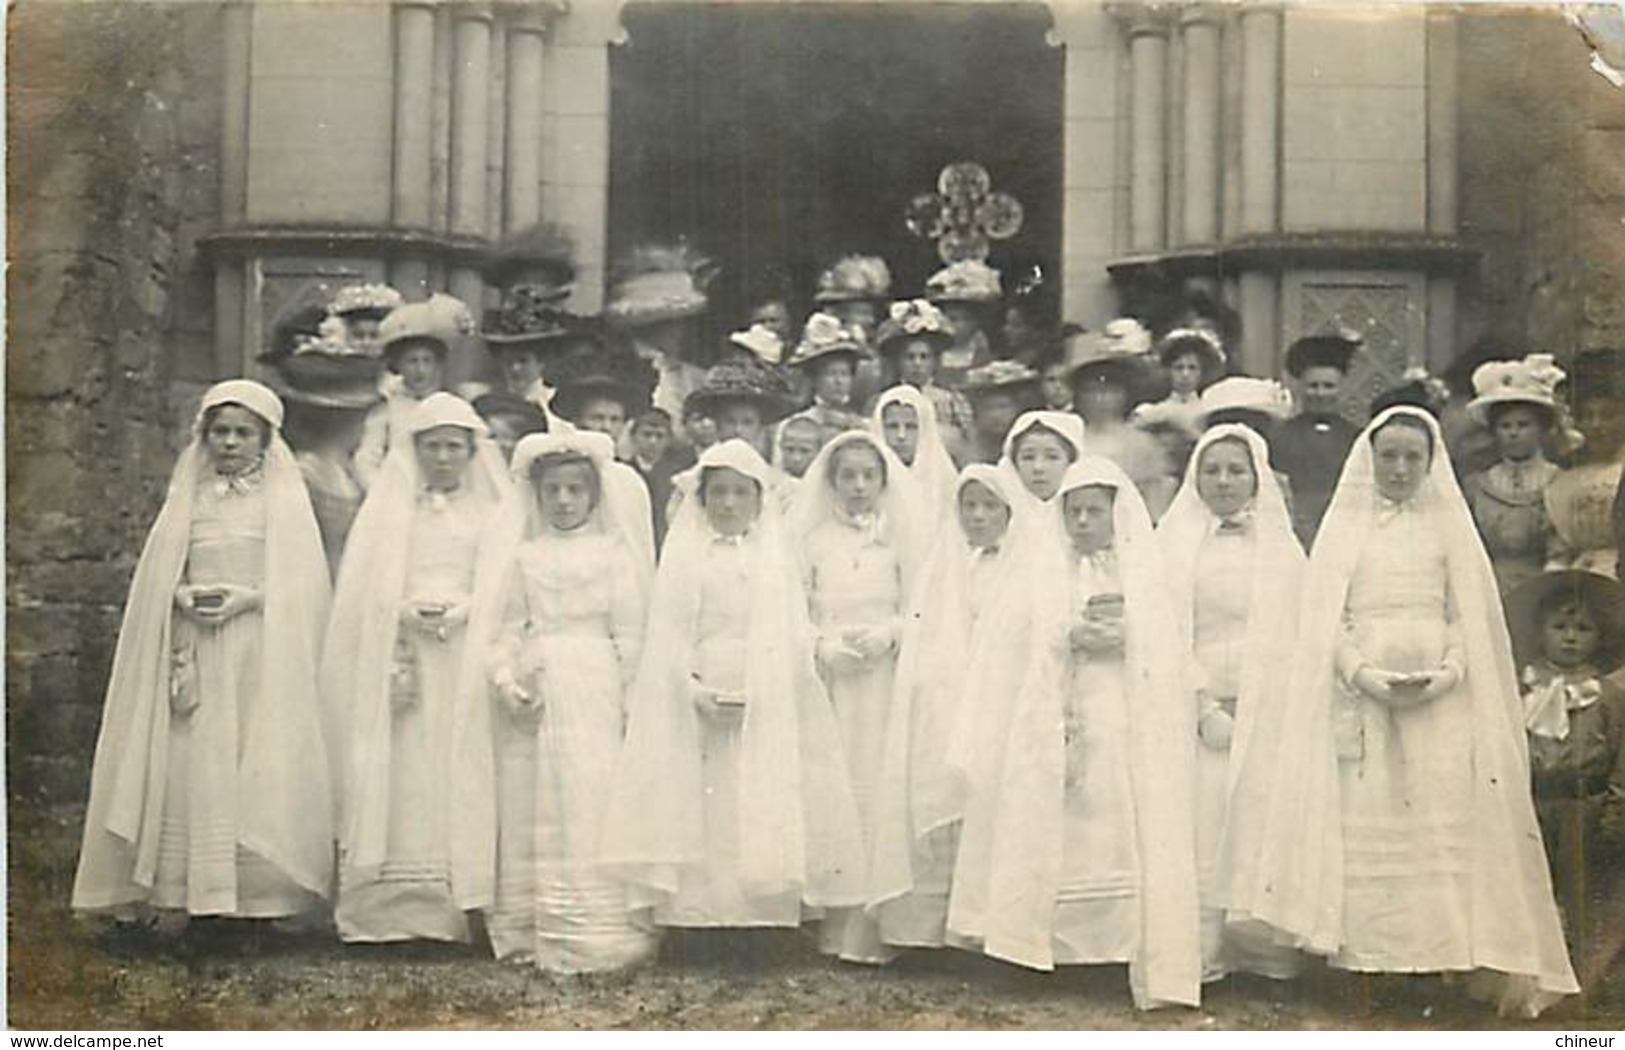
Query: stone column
x,y
1148,62
575,159
1200,139
411,186
470,117
229,286
470,145
522,186
1260,120
1443,173
1260,291
1095,53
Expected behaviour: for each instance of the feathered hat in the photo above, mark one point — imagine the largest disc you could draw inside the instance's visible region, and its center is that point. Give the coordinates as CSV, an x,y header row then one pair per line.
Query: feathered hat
x,y
854,278
442,320
1532,381
540,257
601,372
966,281
656,283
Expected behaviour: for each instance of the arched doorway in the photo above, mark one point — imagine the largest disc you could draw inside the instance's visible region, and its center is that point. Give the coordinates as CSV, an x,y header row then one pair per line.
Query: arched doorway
x,y
778,137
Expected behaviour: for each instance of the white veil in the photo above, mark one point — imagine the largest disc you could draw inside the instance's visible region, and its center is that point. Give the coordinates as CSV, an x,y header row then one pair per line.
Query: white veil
x,y
799,826
1009,871
1277,575
622,511
284,816
1067,424
1294,882
933,469
942,665
899,508
360,650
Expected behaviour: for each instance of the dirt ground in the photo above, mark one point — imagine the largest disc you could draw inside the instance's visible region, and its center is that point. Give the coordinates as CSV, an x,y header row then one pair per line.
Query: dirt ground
x,y
67,975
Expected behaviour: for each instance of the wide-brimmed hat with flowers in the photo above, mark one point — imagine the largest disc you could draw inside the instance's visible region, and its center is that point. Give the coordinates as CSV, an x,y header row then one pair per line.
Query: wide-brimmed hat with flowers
x,y
742,380
1000,376
1246,394
442,320
1532,381
914,319
320,368
966,281
824,337
657,283
1602,596
530,315
365,300
854,278
1120,360
761,342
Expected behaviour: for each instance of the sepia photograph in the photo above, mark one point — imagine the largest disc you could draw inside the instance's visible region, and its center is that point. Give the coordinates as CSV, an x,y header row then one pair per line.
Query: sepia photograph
x,y
714,515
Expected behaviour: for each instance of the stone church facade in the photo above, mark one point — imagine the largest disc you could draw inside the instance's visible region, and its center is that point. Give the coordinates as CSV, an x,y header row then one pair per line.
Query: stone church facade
x,y
184,174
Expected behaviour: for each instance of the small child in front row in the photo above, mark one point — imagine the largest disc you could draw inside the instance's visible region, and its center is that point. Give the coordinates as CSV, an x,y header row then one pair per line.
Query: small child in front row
x,y
1570,631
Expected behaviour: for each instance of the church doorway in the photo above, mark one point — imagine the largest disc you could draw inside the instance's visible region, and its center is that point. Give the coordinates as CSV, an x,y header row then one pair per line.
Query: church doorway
x,y
777,137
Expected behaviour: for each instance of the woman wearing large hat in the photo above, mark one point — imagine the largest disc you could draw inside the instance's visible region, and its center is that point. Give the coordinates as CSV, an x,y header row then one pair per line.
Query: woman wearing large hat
x,y
1517,403
969,293
658,292
854,290
601,388
1107,384
328,388
1312,447
998,392
828,355
416,339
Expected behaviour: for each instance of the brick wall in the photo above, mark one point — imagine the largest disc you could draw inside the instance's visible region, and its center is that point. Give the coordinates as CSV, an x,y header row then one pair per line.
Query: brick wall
x,y
113,116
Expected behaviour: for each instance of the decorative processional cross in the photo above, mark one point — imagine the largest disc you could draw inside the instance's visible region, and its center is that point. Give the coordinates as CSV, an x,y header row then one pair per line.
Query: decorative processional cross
x,y
965,215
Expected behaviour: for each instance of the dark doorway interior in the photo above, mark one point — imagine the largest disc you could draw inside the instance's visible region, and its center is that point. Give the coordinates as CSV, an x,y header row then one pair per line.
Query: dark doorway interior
x,y
777,137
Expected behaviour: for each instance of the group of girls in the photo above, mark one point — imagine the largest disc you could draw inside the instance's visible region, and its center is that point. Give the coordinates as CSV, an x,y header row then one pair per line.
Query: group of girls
x,y
996,710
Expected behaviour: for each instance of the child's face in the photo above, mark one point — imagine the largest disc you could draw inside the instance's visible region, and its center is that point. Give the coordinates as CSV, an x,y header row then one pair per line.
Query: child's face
x,y
1603,424
1041,459
1518,432
234,438
419,368
1225,478
1321,386
1087,512
1057,391
1568,635
1401,455
521,369
603,415
732,501
833,382
798,445
1185,374
901,425
916,363
567,492
858,477
650,439
995,413
983,516
444,453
